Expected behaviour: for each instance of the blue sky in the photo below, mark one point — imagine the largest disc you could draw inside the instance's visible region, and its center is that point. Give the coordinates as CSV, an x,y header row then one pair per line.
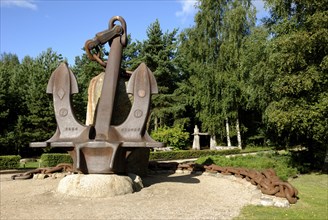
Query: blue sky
x,y
29,27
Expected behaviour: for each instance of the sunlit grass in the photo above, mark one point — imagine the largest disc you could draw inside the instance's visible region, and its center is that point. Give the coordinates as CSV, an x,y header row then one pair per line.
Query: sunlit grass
x,y
312,203
250,149
29,165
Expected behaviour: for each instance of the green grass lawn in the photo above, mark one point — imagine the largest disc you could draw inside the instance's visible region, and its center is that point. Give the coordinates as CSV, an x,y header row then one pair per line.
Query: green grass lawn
x,y
312,203
250,149
29,165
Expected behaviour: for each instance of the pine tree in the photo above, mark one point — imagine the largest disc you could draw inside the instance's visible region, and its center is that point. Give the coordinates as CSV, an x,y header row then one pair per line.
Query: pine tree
x,y
10,100
38,123
158,52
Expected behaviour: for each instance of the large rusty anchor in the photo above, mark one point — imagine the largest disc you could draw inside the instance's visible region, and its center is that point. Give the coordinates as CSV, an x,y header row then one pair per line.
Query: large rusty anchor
x,y
103,147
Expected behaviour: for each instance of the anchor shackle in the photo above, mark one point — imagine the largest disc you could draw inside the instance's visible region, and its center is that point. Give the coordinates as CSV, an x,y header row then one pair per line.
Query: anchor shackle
x,y
105,36
124,38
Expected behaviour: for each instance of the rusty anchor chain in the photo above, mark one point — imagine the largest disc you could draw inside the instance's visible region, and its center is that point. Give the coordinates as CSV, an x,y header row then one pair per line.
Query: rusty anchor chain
x,y
267,180
62,167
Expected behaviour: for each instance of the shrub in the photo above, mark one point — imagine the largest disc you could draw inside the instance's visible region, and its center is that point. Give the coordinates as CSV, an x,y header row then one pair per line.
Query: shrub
x,y
52,160
9,162
280,163
175,137
187,154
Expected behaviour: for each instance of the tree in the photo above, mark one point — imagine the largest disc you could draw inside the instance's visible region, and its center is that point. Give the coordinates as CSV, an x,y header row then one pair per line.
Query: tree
x,y
158,52
297,114
238,21
10,100
212,50
38,123
131,55
84,70
257,79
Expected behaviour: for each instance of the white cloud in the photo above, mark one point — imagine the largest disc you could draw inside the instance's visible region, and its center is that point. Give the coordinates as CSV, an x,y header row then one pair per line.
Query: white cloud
x,y
188,9
30,4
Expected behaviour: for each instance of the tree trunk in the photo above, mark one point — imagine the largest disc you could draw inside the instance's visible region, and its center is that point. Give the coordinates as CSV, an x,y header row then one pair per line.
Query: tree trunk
x,y
155,123
213,143
325,164
195,143
228,133
238,134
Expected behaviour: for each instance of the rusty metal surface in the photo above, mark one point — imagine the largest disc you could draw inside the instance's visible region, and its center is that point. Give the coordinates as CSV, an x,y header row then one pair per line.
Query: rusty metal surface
x,y
62,167
267,181
103,147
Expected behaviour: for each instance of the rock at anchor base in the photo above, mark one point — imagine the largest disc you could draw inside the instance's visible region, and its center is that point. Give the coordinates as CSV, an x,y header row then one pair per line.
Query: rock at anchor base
x,y
95,185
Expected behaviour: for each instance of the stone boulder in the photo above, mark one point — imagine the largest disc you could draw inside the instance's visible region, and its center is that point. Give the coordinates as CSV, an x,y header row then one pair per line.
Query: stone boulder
x,y
95,185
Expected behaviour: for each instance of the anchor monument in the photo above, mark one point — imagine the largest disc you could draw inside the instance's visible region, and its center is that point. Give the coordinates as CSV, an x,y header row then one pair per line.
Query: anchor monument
x,y
103,148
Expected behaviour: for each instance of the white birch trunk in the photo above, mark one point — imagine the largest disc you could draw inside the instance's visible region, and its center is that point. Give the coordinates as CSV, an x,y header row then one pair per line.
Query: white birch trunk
x,y
238,134
228,133
155,123
213,143
195,143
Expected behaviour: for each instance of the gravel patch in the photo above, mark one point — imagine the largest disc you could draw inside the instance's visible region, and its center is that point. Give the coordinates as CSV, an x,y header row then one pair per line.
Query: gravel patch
x,y
165,196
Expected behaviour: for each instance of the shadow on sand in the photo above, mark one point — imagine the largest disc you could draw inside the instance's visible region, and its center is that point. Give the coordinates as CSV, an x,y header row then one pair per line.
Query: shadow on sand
x,y
174,178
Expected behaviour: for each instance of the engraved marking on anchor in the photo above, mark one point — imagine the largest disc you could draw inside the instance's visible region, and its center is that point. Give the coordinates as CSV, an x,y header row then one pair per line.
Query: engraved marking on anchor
x,y
61,93
141,93
137,113
63,112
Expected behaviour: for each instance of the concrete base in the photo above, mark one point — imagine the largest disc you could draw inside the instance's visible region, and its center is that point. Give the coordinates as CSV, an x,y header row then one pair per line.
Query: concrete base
x,y
96,185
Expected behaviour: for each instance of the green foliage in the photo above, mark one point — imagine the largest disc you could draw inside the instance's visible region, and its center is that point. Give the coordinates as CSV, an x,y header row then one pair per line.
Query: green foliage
x,y
158,52
174,137
297,114
187,154
51,160
209,59
280,163
272,78
312,203
250,149
11,101
84,70
29,110
9,162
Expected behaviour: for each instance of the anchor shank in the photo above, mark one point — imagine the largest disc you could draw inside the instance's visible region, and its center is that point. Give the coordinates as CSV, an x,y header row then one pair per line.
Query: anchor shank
x,y
106,100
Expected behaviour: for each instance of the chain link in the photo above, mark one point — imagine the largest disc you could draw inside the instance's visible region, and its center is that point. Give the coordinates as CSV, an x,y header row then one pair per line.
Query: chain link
x,y
62,167
267,181
106,36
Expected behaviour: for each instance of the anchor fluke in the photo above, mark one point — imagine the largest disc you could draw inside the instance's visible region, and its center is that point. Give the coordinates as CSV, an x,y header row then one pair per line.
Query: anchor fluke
x,y
61,85
142,85
62,69
142,69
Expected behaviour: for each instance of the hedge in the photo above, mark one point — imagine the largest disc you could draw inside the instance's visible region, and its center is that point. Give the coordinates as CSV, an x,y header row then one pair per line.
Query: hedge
x,y
52,160
187,154
9,162
280,163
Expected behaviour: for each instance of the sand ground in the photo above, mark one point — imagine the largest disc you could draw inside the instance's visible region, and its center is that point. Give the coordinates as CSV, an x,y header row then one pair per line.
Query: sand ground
x,y
175,196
